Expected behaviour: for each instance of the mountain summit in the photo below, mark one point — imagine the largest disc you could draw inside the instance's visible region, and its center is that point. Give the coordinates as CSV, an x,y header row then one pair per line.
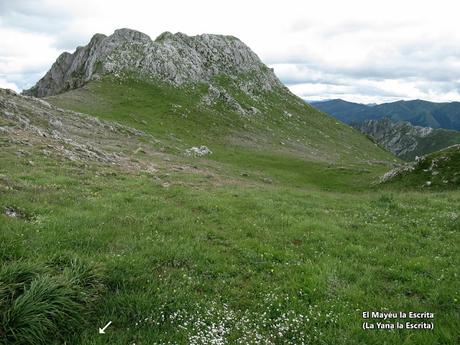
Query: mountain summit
x,y
194,91
175,58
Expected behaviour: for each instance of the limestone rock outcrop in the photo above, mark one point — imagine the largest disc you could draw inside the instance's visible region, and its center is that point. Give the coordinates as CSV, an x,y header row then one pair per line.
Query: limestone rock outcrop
x,y
174,58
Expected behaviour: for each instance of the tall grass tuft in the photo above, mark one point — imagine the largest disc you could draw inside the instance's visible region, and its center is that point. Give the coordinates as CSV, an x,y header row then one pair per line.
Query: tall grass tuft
x,y
42,304
15,278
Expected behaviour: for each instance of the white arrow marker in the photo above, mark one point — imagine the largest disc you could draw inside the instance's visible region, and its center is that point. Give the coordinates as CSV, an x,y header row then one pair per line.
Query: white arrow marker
x,y
102,330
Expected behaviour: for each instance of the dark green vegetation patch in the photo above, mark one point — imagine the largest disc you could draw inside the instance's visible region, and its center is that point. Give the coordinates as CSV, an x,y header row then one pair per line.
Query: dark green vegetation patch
x,y
48,302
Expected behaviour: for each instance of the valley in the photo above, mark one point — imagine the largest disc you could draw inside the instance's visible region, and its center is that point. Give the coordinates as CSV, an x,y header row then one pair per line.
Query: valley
x,y
281,234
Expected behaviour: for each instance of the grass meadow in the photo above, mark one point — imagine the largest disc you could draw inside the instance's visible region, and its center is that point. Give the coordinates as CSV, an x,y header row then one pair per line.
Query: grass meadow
x,y
280,236
222,258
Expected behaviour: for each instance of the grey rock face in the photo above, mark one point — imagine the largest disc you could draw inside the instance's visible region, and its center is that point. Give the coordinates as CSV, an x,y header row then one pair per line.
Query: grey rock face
x,y
175,58
397,137
216,94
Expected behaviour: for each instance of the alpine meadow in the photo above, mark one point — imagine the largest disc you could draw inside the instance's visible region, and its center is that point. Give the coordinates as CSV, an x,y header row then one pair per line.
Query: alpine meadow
x,y
176,188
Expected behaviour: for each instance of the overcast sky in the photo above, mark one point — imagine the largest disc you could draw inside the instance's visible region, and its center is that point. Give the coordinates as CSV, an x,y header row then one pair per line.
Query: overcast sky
x,y
362,51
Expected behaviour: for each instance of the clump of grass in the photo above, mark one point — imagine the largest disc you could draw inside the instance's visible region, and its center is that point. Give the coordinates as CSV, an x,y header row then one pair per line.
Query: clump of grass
x,y
387,201
42,303
15,278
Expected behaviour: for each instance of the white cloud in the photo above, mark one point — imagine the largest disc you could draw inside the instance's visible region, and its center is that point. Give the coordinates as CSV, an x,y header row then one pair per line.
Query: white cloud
x,y
324,49
4,84
25,56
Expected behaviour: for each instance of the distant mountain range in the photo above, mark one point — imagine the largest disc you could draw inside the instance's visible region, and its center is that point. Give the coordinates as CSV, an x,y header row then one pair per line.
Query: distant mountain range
x,y
417,112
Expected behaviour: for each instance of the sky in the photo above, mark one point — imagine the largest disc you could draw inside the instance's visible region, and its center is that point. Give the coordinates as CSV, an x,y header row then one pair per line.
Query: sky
x,y
361,51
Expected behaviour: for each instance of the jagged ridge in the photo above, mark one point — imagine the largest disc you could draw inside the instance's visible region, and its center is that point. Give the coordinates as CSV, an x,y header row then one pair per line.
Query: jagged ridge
x,y
175,58
405,140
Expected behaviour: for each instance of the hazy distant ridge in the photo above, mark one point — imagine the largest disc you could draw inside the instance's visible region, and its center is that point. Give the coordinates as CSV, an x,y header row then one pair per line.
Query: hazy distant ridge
x,y
417,112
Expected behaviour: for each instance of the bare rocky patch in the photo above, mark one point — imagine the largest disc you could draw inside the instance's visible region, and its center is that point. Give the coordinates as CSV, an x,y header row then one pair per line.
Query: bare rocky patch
x,y
32,122
15,212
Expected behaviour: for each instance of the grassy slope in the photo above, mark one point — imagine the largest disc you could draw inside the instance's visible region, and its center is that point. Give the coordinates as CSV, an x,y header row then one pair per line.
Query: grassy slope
x,y
182,252
437,140
306,149
153,107
312,249
441,170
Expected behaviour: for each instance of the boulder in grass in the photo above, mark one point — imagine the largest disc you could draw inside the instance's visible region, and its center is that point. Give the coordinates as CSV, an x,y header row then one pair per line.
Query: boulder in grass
x,y
198,151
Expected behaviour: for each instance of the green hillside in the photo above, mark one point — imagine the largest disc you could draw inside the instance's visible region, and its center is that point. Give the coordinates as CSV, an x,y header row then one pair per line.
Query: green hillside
x,y
247,245
437,140
436,171
276,232
282,123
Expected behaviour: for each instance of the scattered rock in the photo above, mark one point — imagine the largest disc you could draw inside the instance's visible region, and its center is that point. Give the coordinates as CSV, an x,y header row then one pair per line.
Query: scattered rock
x,y
151,170
254,110
287,114
13,212
71,136
396,172
216,94
139,150
198,151
21,153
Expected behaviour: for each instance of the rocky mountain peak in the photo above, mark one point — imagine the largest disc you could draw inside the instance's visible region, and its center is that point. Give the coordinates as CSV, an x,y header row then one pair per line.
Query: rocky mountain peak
x,y
129,35
174,58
